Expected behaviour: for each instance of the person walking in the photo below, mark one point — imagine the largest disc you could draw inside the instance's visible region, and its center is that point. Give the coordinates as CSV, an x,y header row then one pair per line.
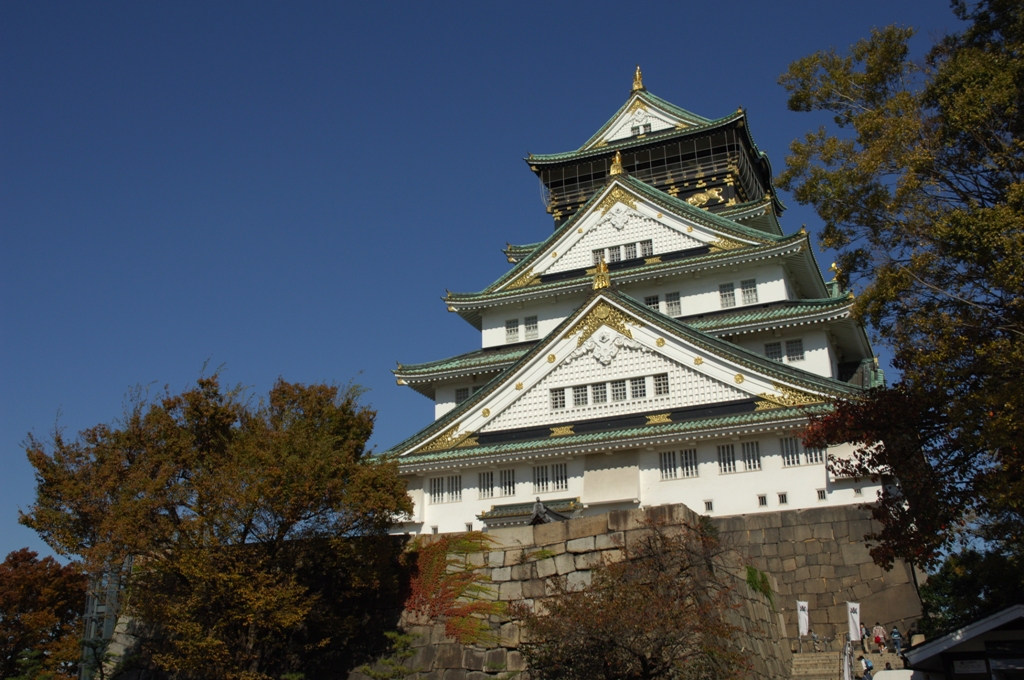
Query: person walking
x,y
866,666
878,635
897,640
864,637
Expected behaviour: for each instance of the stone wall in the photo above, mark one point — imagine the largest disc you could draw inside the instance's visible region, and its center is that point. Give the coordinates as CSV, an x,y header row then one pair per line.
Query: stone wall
x,y
521,564
819,555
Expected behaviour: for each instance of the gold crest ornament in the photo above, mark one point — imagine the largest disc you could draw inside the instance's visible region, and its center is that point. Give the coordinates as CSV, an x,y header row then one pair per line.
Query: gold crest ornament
x,y
601,277
616,164
638,80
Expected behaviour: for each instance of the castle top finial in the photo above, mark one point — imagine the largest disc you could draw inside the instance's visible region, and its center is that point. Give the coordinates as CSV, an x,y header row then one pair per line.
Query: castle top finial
x,y
601,278
638,80
616,168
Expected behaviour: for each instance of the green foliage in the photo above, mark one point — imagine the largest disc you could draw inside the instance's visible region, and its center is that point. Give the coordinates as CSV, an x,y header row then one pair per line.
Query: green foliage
x,y
41,605
658,614
541,554
258,532
758,582
392,666
968,586
920,185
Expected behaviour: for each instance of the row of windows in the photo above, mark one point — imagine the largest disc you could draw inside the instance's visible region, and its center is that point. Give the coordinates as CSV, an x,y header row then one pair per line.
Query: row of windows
x,y
680,464
597,393
462,393
762,500
794,350
512,329
727,293
638,129
623,252
672,305
546,478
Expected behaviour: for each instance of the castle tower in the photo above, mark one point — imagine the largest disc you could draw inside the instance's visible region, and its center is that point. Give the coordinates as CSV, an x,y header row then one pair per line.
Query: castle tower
x,y
666,344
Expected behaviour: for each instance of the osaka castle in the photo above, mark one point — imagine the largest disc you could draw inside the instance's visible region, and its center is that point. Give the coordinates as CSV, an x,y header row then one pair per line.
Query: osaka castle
x,y
666,344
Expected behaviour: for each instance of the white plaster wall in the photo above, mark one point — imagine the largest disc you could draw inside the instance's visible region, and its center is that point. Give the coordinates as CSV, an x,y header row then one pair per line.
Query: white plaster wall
x,y
818,356
549,312
624,127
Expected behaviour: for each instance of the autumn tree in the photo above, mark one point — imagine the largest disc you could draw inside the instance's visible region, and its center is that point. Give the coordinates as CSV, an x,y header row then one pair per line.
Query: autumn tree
x,y
658,614
251,538
41,605
919,180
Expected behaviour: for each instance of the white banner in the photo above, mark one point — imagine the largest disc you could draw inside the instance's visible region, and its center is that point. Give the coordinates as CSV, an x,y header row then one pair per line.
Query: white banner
x,y
853,618
802,618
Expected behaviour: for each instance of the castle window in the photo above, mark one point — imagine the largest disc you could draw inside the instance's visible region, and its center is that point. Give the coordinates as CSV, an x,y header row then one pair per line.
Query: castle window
x,y
727,295
635,130
454,490
507,482
857,491
461,394
672,306
794,350
688,459
619,390
433,530
531,327
486,485
614,254
790,451
669,470
749,289
814,456
579,395
773,350
512,330
558,398
709,506
783,498
821,495
446,489
726,459
646,248
661,384
599,392
598,256
560,477
647,128
541,481
751,456
638,388
762,501
651,302
630,250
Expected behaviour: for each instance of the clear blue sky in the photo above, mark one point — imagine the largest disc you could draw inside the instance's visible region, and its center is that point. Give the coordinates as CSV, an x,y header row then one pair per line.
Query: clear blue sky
x,y
287,189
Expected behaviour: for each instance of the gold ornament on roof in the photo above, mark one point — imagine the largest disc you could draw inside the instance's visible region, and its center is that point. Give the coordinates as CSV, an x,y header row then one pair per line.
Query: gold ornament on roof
x,y
603,314
788,398
616,165
601,278
638,80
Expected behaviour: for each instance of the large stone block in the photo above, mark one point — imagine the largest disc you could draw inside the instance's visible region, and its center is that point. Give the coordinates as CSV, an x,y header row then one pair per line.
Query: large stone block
x,y
588,560
771,535
496,558
565,563
516,662
512,537
802,532
523,572
533,588
578,580
497,660
513,590
455,674
508,636
449,656
473,659
501,574
552,532
514,557
423,658
582,527
623,520
822,532
546,568
870,570
477,675
609,541
612,556
859,529
786,548
580,545
813,547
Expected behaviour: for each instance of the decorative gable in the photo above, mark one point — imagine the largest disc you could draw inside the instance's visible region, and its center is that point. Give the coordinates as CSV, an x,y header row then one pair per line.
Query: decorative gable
x,y
639,118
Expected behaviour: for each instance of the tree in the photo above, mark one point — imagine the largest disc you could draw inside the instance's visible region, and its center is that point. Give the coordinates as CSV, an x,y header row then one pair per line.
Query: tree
x,y
251,539
968,586
920,184
659,613
41,605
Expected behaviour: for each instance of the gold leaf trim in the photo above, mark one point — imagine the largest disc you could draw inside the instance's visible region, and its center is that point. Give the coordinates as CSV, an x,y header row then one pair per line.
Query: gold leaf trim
x,y
789,397
618,195
653,260
551,358
659,418
738,378
603,314
697,361
562,431
486,413
660,342
635,106
447,440
725,244
525,279
519,385
467,442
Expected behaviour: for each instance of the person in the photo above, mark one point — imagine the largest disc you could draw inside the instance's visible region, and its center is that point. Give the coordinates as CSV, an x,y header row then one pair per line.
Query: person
x,y
814,641
897,640
888,666
864,637
878,635
866,667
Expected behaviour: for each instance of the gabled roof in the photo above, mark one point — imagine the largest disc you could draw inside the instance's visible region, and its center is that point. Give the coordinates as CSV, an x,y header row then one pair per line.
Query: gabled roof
x,y
514,253
921,654
452,429
682,117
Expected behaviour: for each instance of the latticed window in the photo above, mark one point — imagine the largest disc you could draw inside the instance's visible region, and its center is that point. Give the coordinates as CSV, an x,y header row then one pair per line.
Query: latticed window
x,y
727,295
598,256
672,306
614,254
647,128
619,390
486,485
748,287
794,350
751,456
630,251
579,395
709,506
661,384
651,302
726,459
814,456
558,398
822,495
783,498
559,477
762,501
773,350
541,479
453,494
669,469
446,489
646,248
507,482
531,327
688,462
635,130
790,451
512,330
599,393
638,387
437,489
461,394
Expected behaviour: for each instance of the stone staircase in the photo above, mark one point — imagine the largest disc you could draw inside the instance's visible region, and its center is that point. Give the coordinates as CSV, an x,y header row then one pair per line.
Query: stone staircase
x,y
878,659
817,666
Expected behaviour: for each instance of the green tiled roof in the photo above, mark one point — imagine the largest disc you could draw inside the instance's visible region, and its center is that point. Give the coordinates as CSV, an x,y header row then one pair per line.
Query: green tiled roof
x,y
568,441
476,359
762,313
521,251
562,505
657,102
